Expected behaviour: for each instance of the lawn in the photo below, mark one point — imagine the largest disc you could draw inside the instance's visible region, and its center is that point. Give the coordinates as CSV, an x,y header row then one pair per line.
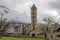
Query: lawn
x,y
14,38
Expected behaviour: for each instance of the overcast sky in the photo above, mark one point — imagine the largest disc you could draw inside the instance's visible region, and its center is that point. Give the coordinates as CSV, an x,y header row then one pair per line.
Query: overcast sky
x,y
20,9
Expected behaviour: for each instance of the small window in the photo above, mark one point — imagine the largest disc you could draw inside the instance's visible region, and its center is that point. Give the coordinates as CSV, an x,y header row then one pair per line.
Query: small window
x,y
58,35
23,33
33,9
51,36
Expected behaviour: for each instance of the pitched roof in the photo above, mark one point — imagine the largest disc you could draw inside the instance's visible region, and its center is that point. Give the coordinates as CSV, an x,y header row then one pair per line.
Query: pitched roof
x,y
55,27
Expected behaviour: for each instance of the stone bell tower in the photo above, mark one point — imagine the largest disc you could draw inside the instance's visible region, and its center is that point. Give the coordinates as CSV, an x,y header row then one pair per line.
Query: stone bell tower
x,y
33,16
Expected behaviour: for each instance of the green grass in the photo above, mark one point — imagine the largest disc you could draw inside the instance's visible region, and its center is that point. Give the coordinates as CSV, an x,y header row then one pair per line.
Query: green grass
x,y
14,38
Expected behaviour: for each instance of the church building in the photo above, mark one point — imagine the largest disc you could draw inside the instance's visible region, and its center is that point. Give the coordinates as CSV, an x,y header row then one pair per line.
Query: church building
x,y
35,31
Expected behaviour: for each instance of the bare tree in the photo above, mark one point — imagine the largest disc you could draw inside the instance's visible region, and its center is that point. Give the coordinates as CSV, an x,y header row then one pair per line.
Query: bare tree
x,y
3,21
49,21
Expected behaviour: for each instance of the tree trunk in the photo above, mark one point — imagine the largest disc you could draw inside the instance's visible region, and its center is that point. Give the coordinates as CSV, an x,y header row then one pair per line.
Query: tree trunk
x,y
0,35
46,36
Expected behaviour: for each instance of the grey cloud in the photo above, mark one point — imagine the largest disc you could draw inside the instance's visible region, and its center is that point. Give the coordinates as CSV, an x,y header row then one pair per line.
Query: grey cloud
x,y
54,4
24,5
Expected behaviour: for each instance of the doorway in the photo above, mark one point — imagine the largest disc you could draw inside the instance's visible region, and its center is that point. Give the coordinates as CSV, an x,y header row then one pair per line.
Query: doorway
x,y
33,35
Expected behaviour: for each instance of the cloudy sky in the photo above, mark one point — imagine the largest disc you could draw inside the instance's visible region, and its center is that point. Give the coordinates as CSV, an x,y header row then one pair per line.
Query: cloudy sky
x,y
20,9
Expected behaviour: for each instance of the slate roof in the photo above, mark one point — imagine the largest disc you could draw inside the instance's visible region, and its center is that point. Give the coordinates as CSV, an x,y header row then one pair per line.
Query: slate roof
x,y
56,26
